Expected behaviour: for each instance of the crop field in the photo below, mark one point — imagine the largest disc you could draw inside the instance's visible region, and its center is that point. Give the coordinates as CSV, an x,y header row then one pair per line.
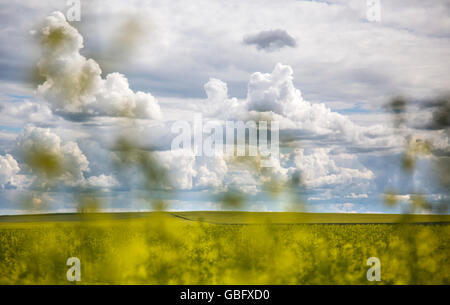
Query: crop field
x,y
224,248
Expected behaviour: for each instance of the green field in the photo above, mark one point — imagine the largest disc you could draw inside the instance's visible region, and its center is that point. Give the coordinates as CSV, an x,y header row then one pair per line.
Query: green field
x,y
242,218
224,248
307,218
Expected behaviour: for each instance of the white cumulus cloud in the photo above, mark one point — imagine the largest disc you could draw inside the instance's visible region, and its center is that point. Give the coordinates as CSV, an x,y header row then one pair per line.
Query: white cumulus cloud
x,y
42,151
74,84
318,168
102,181
8,170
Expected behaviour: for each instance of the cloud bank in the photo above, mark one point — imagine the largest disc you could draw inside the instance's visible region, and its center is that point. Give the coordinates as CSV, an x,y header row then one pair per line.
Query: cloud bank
x,y
343,60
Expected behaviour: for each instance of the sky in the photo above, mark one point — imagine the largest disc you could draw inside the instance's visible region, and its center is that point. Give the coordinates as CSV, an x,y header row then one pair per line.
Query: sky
x,y
324,70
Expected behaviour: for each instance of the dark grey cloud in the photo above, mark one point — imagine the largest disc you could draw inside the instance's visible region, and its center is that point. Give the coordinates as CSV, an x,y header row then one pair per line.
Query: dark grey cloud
x,y
271,40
